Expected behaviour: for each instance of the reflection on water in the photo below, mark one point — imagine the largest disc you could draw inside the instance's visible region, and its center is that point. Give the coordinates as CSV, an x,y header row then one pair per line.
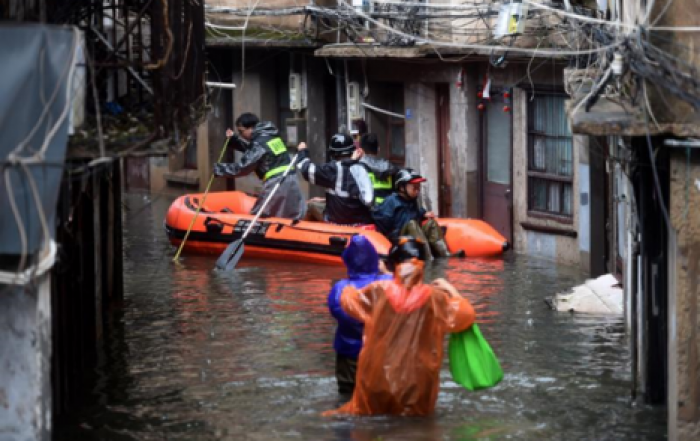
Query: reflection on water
x,y
201,355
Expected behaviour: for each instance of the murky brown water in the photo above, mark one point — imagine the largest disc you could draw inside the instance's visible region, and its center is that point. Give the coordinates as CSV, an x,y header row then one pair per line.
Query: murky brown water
x,y
247,355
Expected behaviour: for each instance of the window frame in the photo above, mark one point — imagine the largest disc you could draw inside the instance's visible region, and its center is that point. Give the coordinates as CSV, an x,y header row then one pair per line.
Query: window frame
x,y
395,122
543,175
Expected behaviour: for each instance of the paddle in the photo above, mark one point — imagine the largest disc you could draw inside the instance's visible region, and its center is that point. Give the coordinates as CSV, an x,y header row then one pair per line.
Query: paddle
x,y
233,252
201,204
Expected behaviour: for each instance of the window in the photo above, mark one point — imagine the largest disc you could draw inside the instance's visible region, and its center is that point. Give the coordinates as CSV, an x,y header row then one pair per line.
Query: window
x,y
550,155
390,130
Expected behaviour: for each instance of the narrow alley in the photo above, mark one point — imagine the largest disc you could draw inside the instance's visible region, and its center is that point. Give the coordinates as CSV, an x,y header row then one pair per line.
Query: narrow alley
x,y
197,354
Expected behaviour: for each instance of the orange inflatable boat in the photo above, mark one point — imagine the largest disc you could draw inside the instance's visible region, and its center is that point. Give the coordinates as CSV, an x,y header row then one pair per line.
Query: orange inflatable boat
x,y
225,216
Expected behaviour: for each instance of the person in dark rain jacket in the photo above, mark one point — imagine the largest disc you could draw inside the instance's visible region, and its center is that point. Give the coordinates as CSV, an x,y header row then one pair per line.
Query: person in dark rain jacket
x,y
362,263
401,215
265,153
349,192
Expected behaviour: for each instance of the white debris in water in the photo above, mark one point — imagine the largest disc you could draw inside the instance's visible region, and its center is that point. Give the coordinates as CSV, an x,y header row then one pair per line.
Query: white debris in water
x,y
597,296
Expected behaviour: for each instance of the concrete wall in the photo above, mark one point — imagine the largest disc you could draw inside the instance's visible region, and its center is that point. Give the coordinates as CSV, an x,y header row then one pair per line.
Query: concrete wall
x,y
421,136
25,362
464,143
212,135
256,92
685,217
262,23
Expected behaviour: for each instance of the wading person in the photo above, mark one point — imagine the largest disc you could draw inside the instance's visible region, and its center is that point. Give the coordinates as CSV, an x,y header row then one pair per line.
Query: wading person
x,y
349,193
401,215
362,263
398,370
265,153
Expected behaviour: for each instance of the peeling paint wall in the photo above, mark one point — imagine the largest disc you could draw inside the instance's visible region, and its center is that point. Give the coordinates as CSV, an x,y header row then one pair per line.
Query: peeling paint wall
x,y
25,362
685,217
421,139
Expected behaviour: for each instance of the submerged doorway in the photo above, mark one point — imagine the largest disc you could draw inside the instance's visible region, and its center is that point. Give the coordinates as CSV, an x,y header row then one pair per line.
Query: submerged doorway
x,y
497,154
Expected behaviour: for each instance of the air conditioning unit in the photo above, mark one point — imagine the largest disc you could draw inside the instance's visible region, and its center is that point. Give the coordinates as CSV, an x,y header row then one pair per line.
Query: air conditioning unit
x,y
354,101
295,92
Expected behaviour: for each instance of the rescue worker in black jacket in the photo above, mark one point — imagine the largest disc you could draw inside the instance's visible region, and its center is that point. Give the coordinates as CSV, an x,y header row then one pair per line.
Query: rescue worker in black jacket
x,y
401,215
265,153
381,171
349,193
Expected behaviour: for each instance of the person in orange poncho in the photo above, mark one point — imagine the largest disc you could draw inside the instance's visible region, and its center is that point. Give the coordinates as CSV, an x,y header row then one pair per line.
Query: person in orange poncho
x,y
398,370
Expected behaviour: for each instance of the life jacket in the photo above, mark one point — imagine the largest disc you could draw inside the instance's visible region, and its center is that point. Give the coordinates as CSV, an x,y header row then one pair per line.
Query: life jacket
x,y
277,159
381,173
382,187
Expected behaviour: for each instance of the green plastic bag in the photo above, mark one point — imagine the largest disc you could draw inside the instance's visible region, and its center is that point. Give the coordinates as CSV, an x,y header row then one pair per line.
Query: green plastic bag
x,y
472,361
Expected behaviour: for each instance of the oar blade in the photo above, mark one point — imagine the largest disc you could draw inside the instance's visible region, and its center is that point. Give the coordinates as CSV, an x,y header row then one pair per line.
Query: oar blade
x,y
231,255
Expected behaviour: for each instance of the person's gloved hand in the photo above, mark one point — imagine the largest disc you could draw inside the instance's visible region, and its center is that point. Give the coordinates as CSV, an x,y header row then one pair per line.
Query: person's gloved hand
x,y
219,169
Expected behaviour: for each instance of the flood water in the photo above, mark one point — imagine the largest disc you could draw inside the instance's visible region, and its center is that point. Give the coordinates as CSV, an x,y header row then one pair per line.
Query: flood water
x,y
199,355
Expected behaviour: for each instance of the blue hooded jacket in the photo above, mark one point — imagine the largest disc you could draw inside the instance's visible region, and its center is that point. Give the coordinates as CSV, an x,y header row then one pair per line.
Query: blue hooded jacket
x,y
362,262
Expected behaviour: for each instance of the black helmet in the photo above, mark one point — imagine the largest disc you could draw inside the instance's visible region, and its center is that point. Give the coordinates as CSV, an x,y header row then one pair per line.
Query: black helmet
x,y
341,145
406,248
405,176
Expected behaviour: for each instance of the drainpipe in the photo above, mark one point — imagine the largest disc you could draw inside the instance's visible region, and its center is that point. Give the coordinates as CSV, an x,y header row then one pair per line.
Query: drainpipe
x,y
629,265
347,111
641,336
672,348
339,97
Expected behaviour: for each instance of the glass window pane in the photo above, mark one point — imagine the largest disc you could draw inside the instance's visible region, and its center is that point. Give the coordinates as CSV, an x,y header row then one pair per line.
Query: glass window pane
x,y
498,145
538,189
554,192
398,147
566,203
538,152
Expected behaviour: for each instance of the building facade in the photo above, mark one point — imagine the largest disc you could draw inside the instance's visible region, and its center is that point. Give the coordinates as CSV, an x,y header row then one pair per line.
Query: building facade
x,y
489,133
638,100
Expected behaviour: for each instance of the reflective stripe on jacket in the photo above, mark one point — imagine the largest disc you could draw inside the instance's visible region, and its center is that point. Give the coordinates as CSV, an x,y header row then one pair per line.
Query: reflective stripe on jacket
x,y
349,192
